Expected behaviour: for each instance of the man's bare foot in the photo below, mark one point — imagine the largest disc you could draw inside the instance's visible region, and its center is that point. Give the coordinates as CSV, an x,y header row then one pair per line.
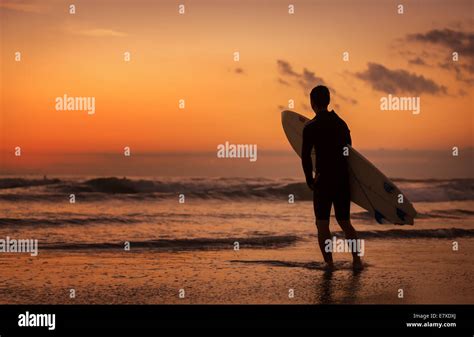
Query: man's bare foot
x,y
357,265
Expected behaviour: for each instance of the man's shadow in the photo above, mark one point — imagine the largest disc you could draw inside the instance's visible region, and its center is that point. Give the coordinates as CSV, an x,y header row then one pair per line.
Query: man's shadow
x,y
325,291
326,288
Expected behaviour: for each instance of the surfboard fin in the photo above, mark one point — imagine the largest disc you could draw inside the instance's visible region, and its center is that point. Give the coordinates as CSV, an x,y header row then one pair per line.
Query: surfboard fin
x,y
401,214
379,217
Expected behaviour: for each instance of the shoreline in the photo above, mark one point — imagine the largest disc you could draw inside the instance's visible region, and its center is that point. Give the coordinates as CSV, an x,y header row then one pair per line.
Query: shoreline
x,y
249,276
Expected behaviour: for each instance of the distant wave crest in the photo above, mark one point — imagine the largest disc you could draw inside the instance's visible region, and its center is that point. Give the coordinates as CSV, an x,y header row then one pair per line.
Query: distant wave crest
x,y
18,189
255,242
418,233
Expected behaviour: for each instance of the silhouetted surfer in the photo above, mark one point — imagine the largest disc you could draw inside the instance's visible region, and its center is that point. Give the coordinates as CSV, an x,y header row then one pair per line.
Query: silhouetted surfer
x,y
328,134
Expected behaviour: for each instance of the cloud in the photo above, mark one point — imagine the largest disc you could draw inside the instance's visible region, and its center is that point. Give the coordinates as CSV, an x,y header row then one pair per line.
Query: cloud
x,y
348,99
306,107
417,61
397,81
282,81
101,32
462,92
285,68
458,69
459,41
21,6
307,80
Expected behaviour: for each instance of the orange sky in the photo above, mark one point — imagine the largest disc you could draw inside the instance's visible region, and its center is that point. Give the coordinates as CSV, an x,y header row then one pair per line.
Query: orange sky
x,y
190,57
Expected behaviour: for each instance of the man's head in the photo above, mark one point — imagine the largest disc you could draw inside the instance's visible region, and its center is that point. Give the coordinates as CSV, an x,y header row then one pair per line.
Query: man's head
x,y
320,98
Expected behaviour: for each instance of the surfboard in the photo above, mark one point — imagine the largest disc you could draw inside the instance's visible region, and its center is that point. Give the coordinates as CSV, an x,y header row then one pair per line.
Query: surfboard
x,y
370,188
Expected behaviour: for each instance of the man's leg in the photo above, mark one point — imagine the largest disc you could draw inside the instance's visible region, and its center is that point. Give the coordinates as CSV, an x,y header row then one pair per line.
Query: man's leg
x,y
323,235
342,209
322,210
349,232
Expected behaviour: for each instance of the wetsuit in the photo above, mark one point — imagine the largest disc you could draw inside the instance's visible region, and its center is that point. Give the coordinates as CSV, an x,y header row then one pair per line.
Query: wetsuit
x,y
328,134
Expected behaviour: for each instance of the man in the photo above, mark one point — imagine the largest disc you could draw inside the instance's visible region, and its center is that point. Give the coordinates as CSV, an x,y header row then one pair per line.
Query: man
x,y
329,135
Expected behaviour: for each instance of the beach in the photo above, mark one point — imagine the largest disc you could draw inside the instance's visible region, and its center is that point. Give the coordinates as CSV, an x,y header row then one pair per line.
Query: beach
x,y
185,252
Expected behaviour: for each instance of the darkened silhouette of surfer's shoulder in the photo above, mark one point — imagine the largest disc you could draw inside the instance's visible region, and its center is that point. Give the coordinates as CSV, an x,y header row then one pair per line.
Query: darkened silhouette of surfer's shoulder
x,y
324,120
320,119
340,120
311,123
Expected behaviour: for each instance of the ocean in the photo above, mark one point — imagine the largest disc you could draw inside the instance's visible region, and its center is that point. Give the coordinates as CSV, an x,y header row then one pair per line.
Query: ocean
x,y
155,240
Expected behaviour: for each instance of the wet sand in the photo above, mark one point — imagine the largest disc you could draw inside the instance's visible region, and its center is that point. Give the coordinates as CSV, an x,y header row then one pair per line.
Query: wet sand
x,y
427,270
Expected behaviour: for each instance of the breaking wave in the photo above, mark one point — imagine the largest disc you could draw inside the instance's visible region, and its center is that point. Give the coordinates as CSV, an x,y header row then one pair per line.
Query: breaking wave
x,y
256,242
415,233
19,189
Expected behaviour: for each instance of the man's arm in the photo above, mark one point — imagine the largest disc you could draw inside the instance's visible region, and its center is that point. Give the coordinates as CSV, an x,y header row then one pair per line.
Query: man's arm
x,y
348,137
306,160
